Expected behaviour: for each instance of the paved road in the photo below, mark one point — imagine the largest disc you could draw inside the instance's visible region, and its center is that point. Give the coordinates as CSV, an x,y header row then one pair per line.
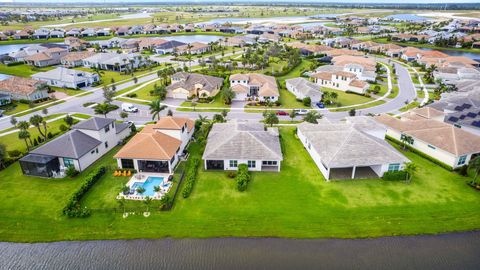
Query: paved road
x,y
406,93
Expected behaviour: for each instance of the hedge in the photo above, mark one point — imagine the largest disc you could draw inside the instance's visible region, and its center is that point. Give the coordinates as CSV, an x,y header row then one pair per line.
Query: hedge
x,y
434,160
243,177
190,177
395,176
73,208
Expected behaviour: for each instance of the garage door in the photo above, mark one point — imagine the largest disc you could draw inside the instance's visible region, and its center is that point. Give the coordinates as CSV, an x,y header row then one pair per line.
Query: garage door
x,y
180,95
81,85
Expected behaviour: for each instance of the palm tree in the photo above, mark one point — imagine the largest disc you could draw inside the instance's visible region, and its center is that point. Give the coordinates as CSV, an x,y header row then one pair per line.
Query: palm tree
x,y
156,188
410,169
156,107
13,121
36,121
270,118
24,135
228,95
312,117
147,202
475,165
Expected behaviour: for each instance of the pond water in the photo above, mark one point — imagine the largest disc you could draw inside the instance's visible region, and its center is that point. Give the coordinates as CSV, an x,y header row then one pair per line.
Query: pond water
x,y
407,17
472,55
284,20
450,251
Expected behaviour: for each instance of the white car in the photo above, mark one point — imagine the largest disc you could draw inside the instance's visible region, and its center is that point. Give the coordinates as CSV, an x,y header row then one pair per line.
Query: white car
x,y
301,111
128,107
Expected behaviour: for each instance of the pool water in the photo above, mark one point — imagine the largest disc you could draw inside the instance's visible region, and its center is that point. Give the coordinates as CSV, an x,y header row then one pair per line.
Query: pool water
x,y
149,185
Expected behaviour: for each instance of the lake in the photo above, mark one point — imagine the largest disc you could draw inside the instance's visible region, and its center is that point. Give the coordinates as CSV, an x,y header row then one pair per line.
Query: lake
x,y
193,38
449,251
407,17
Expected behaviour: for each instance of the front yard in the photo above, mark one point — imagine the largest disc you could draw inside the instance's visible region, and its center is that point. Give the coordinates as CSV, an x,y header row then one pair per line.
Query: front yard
x,y
296,202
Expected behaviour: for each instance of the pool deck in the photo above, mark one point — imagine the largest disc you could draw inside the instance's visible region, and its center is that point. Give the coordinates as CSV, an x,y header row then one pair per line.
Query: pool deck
x,y
142,177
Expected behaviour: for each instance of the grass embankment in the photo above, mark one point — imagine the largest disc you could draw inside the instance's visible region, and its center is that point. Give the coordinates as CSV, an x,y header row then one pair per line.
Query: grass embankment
x,y
296,202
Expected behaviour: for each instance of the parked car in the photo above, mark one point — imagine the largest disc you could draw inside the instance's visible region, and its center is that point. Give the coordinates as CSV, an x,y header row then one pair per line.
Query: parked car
x,y
281,113
128,107
301,111
320,105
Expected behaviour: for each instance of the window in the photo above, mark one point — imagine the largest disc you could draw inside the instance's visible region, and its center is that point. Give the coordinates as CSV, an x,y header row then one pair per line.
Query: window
x,y
106,144
431,146
107,128
127,163
269,162
462,160
96,150
251,164
68,162
233,163
395,167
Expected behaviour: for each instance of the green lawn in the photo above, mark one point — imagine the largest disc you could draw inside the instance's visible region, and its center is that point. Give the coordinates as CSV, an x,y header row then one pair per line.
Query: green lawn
x,y
347,99
17,107
296,203
22,70
369,105
216,103
409,106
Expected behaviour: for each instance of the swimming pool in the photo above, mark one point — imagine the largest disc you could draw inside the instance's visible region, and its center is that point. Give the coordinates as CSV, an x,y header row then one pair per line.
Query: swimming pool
x,y
149,185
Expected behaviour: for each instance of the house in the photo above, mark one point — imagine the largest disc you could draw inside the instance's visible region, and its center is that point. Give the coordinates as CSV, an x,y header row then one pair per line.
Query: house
x,y
303,88
150,43
341,80
102,32
57,33
20,55
75,59
88,141
364,68
168,47
310,49
88,32
19,88
193,48
232,42
185,85
114,61
22,34
254,86
158,147
74,32
75,44
267,37
67,78
443,142
235,143
46,58
349,150
5,99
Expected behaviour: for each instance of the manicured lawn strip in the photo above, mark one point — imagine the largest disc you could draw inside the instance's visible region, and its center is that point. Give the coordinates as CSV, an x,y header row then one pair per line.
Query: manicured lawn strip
x,y
81,115
409,106
347,99
373,104
22,70
296,202
18,107
133,101
217,102
394,91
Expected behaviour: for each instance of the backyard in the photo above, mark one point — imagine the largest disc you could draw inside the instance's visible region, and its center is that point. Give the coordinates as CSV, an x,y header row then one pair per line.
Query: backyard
x,y
296,202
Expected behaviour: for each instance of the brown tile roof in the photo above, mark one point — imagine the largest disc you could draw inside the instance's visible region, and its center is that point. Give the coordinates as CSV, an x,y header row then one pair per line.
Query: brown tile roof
x,y
76,56
239,88
441,135
24,86
358,83
150,144
173,122
323,75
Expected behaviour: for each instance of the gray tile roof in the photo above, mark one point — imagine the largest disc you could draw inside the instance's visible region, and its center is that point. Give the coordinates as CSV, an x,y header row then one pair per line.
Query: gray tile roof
x,y
306,87
242,140
341,145
189,80
73,144
94,123
119,127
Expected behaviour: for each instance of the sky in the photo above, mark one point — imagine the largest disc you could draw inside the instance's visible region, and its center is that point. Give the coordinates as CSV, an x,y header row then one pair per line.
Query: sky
x,y
210,1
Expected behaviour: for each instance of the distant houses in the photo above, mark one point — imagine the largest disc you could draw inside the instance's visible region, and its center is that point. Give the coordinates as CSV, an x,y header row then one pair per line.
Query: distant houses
x,y
47,57
114,61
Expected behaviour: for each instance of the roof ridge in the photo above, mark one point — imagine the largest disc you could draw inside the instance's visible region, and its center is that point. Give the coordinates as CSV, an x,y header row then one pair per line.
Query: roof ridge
x,y
343,143
265,146
157,143
454,137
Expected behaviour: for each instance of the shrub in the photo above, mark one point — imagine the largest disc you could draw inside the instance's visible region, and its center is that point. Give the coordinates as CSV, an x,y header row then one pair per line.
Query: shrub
x,y
132,95
190,177
231,174
307,101
14,153
463,171
73,208
71,171
395,176
63,128
243,177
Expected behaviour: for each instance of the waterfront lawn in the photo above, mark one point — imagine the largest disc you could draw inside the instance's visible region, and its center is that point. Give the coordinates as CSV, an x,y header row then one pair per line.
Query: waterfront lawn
x,y
22,70
296,202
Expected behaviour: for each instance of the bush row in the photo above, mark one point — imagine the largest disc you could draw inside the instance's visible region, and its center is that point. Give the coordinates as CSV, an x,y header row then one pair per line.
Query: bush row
x,y
395,176
73,208
243,177
190,177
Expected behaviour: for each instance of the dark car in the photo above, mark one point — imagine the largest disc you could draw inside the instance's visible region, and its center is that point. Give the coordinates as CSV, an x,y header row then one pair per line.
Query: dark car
x,y
281,113
320,105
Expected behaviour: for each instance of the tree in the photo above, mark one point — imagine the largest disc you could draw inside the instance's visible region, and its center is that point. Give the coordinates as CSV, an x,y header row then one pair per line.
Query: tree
x,y
140,190
292,115
228,95
24,135
475,166
45,111
307,101
218,118
123,115
103,109
69,120
312,117
3,155
13,121
135,80
352,112
193,104
410,169
406,139
36,121
108,94
156,107
147,202
224,113
270,118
